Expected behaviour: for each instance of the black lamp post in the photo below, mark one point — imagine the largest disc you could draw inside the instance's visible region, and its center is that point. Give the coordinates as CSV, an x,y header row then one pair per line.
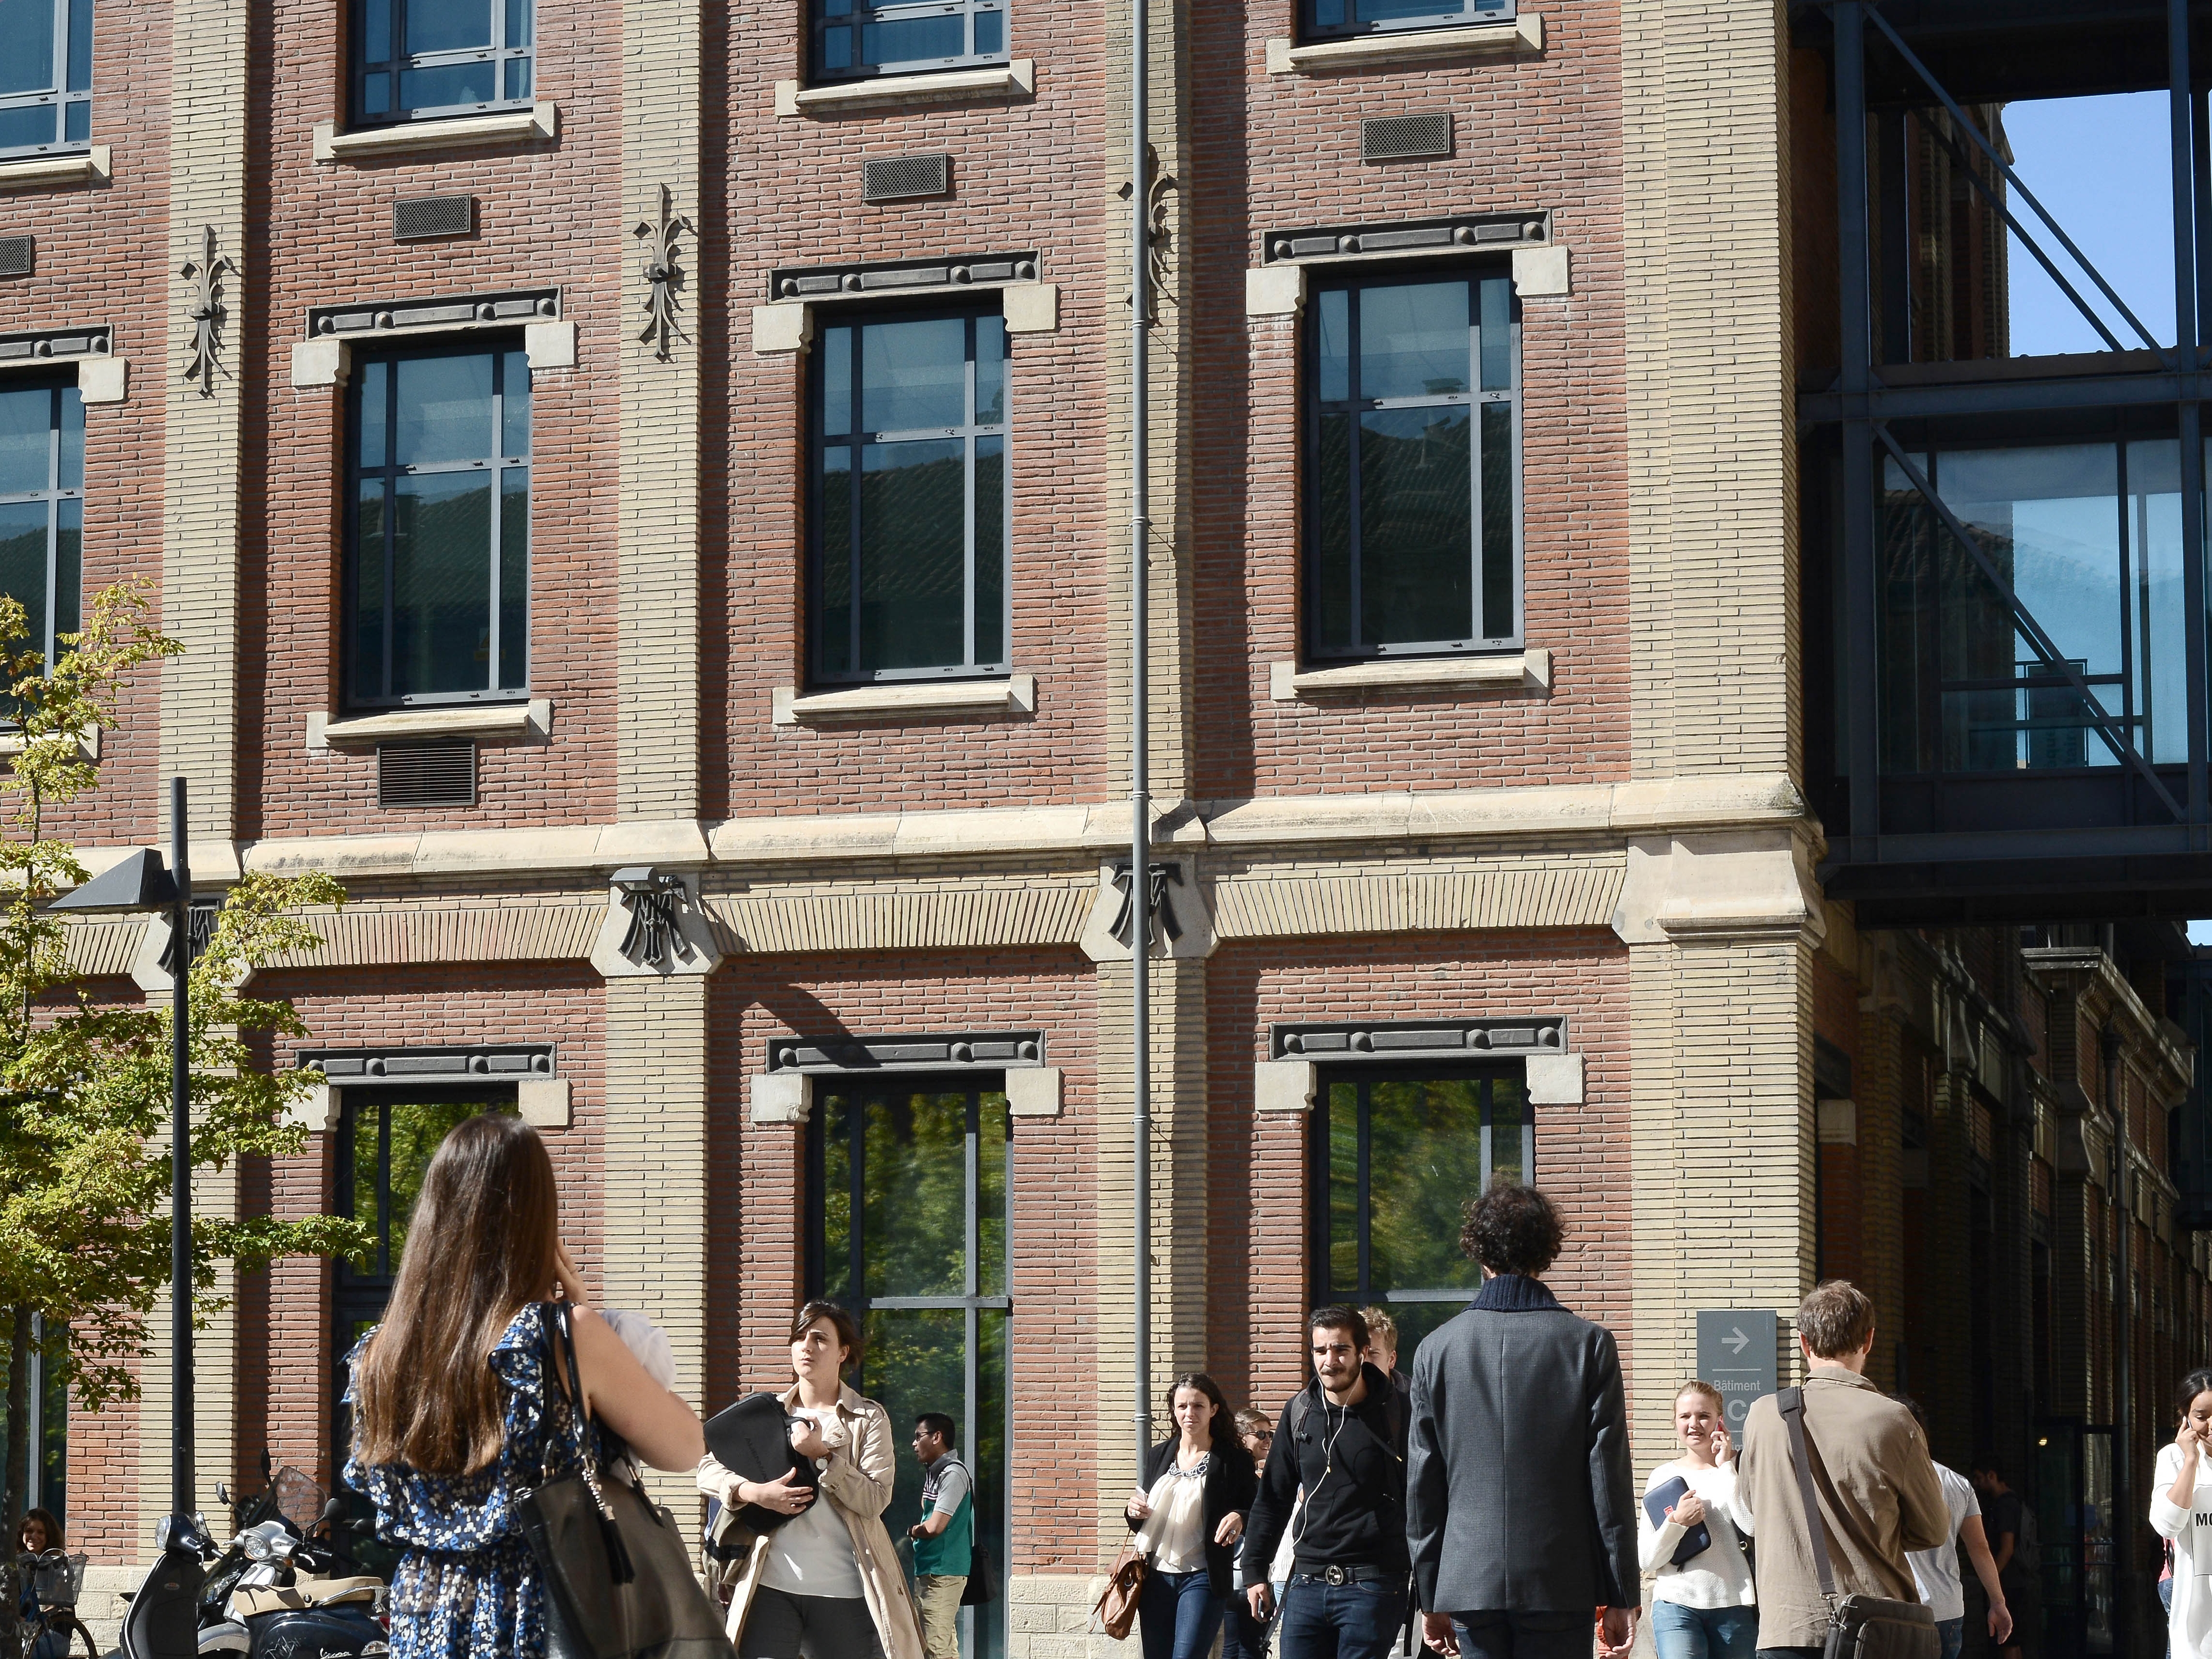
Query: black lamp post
x,y
141,883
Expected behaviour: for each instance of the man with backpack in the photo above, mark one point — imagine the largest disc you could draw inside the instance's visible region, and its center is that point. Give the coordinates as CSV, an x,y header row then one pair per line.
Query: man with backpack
x,y
945,1537
1342,1441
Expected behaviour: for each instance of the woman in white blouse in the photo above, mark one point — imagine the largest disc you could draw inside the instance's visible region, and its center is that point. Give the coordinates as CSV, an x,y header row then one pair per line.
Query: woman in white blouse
x,y
2181,1510
1187,1516
1702,1606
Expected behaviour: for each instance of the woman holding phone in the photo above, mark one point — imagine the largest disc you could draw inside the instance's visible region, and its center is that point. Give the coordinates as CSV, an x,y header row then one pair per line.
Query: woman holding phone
x,y
1702,1601
2181,1495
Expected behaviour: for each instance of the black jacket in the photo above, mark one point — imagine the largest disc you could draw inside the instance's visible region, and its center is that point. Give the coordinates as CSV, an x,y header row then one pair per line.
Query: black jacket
x,y
1230,1481
1519,1495
1352,1462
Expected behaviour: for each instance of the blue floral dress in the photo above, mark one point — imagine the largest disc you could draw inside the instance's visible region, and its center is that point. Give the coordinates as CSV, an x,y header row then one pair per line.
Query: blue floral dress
x,y
467,1587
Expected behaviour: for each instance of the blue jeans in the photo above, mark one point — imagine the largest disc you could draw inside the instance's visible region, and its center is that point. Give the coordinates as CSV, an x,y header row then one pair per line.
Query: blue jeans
x,y
1341,1622
1178,1614
1681,1632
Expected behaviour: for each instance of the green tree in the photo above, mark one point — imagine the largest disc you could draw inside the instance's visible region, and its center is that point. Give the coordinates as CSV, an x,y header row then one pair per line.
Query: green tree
x,y
85,1087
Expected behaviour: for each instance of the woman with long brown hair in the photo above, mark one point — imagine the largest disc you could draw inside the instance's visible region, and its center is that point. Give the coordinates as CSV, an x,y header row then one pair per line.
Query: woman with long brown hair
x,y
456,1407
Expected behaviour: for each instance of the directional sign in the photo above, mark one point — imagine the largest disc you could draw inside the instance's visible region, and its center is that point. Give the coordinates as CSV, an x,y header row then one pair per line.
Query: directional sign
x,y
1736,1354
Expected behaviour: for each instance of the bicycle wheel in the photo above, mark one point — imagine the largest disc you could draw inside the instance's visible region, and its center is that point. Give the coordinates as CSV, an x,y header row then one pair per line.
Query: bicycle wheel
x,y
77,1634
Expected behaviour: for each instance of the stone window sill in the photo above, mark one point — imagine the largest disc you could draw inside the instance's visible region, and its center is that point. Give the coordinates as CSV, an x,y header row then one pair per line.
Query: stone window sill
x,y
908,701
91,166
12,743
1518,670
520,126
531,721
1522,38
1017,79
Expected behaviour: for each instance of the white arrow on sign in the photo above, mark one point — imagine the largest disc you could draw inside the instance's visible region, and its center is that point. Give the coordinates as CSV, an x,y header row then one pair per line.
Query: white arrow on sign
x,y
1736,1339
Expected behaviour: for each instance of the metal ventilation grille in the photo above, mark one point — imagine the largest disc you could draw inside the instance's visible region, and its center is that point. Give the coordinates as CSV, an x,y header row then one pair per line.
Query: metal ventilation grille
x,y
1401,138
441,774
418,216
897,176
16,255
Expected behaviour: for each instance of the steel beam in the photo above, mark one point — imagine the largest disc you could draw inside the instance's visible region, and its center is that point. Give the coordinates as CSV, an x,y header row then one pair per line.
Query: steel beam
x,y
1860,592
2006,396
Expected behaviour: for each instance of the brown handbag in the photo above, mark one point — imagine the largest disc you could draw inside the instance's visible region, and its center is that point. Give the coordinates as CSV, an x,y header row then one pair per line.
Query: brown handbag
x,y
1115,1610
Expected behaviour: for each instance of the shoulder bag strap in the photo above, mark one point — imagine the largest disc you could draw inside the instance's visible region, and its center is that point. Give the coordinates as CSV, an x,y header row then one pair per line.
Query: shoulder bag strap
x,y
1792,1402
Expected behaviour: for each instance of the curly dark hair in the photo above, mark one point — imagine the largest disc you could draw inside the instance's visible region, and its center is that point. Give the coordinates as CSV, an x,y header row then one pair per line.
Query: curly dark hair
x,y
1512,1229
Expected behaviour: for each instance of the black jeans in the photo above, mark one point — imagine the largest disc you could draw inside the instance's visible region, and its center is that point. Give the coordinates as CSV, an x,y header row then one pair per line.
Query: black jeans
x,y
1524,1635
1241,1634
1789,1653
781,1626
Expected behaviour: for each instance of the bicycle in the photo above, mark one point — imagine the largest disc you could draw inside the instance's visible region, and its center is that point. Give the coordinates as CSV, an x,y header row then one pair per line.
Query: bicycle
x,y
54,1631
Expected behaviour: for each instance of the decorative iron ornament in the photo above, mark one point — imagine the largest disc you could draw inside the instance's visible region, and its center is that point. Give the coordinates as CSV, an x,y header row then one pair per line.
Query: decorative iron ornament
x,y
655,902
663,277
1158,238
209,312
202,926
1163,909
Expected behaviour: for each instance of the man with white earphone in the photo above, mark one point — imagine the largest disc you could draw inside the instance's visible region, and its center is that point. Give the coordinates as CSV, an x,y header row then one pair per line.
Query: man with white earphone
x,y
1342,1439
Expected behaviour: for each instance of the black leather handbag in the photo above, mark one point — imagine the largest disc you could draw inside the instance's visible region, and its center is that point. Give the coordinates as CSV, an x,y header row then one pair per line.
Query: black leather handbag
x,y
1859,1626
618,1579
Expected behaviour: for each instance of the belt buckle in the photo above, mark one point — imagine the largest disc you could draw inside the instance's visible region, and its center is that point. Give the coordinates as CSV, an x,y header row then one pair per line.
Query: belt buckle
x,y
1334,1575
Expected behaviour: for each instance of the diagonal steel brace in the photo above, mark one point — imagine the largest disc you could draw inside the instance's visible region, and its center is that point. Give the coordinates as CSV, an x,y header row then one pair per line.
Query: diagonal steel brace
x,y
1958,115
2123,748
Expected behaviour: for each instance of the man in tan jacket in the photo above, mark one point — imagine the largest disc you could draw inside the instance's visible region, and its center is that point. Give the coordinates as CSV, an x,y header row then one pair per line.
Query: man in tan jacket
x,y
1878,1492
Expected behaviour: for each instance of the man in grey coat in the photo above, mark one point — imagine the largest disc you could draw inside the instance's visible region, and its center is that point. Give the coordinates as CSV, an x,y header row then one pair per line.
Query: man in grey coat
x,y
1520,1503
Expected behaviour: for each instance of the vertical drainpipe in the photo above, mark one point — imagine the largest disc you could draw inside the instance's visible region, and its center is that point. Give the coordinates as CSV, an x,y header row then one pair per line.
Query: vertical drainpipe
x,y
2124,1524
1140,827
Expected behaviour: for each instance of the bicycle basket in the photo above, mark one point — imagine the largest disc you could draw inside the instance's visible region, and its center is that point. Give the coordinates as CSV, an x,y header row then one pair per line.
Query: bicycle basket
x,y
57,1579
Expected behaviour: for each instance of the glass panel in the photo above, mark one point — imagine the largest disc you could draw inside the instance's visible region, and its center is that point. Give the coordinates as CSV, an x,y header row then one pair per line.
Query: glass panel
x,y
32,125
376,94
1398,11
79,45
1344,1190
1496,334
1414,340
2161,682
447,84
991,1122
837,1198
54,1424
1416,575
376,31
837,49
916,1361
417,1131
519,22
517,78
1425,1157
990,550
1328,14
1905,551
990,370
365,1121
447,25
26,425
27,46
913,374
23,564
369,592
515,578
1507,1119
70,474
369,414
836,625
1332,598
990,34
441,583
914,1168
444,408
1498,621
905,39
514,404
68,566
912,554
76,126
1332,357
837,382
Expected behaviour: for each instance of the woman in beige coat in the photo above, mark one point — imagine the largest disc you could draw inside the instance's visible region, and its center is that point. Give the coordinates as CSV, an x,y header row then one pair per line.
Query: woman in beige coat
x,y
828,1578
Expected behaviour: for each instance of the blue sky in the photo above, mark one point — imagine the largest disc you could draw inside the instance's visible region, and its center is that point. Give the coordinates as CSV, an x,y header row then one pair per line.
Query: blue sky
x,y
2100,166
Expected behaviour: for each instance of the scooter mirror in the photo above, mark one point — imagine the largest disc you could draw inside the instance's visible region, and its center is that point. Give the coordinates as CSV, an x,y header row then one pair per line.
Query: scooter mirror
x,y
222,1493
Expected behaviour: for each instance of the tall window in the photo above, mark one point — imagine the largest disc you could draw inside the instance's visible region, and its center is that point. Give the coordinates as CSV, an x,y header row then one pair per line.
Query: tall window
x,y
418,59
45,75
1327,19
1396,1155
910,498
439,592
45,1426
852,37
909,1231
42,507
1414,521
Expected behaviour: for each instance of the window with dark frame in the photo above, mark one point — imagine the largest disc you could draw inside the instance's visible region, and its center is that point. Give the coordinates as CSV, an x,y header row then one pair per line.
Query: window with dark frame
x,y
419,59
1413,447
909,497
42,508
1396,1152
438,588
853,39
1329,20
46,76
907,1227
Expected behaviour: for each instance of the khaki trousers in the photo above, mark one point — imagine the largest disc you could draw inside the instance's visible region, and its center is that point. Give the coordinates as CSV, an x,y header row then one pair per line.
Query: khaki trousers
x,y
940,1613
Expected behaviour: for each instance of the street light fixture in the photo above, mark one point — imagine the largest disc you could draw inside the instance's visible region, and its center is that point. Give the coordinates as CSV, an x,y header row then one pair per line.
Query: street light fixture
x,y
141,883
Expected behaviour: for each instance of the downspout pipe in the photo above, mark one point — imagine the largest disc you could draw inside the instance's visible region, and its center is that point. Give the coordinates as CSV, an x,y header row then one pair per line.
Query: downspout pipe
x,y
2123,1528
1140,811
